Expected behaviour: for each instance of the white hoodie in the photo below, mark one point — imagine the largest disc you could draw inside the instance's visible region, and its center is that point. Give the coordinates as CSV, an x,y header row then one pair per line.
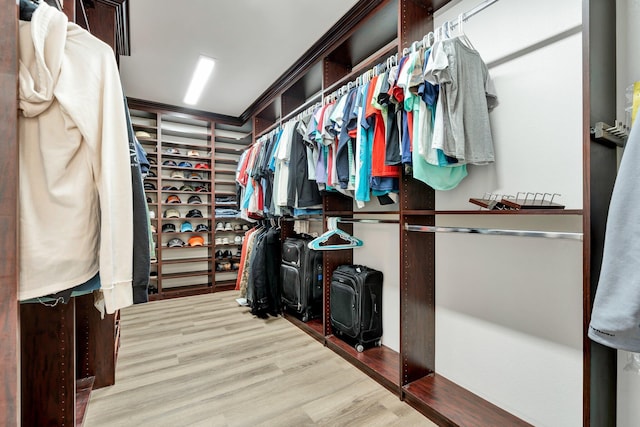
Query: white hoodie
x,y
75,179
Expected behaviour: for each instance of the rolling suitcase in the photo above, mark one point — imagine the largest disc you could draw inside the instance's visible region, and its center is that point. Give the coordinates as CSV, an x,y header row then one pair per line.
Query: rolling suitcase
x,y
301,278
356,305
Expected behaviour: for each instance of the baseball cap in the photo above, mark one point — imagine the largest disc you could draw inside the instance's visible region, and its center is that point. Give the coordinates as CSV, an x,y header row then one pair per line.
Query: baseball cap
x,y
186,226
177,174
173,199
193,213
202,166
195,175
195,200
202,228
151,174
169,188
149,186
142,134
167,228
169,163
186,188
153,228
202,189
193,153
185,165
172,151
171,213
152,161
196,241
152,214
175,243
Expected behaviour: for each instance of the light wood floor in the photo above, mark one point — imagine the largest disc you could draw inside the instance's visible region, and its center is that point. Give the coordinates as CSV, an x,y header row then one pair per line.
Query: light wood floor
x,y
205,361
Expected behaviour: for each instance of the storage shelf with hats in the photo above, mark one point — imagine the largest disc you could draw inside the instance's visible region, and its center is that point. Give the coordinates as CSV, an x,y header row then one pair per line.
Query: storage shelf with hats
x,y
191,182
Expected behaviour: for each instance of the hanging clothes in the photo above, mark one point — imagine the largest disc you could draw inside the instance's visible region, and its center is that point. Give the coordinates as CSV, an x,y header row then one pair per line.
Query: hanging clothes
x,y
615,319
75,176
467,95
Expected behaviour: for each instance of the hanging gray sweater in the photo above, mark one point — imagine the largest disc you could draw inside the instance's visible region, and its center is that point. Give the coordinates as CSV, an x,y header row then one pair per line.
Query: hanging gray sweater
x,y
615,320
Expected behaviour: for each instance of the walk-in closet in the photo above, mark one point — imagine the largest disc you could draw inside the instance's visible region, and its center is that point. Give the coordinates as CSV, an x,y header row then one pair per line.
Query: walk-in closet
x,y
373,212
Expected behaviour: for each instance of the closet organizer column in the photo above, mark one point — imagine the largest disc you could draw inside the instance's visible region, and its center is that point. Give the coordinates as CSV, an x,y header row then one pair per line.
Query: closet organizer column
x,y
417,260
10,348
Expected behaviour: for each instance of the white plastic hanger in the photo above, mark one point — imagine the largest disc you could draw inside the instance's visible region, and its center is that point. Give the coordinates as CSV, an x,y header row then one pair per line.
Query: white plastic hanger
x,y
333,230
460,32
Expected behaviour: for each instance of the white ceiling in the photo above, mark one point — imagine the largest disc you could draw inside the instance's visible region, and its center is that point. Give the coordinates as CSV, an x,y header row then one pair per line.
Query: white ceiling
x,y
252,41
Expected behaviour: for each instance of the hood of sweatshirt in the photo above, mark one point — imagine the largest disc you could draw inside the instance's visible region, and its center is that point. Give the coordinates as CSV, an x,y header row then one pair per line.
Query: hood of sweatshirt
x,y
41,59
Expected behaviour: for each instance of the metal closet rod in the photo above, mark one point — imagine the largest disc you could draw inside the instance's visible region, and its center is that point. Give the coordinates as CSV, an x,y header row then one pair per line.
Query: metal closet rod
x,y
495,232
482,6
368,221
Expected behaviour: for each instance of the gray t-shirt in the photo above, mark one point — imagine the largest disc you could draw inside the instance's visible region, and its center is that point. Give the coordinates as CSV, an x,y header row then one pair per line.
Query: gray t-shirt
x,y
467,95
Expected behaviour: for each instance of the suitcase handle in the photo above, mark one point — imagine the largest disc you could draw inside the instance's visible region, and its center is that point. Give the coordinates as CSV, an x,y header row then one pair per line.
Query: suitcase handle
x,y
374,307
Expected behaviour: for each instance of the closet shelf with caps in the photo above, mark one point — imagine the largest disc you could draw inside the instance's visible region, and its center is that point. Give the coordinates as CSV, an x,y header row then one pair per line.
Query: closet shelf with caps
x,y
184,188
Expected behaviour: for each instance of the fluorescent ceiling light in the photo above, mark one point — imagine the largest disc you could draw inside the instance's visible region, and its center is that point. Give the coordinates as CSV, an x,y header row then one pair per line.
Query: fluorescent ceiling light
x,y
199,80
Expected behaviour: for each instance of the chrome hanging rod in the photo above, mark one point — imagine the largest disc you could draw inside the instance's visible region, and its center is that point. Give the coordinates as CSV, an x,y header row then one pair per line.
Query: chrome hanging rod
x,y
465,16
495,232
368,221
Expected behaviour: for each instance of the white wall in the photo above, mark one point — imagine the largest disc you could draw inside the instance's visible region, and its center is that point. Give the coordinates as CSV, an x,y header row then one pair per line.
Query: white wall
x,y
383,238
628,70
509,309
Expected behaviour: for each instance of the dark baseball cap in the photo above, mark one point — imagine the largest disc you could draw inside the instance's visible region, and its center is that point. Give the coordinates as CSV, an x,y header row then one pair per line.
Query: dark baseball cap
x,y
194,213
175,243
202,228
166,228
195,200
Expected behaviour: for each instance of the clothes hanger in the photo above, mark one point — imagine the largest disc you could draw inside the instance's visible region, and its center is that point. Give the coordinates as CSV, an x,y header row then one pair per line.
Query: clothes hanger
x,y
333,230
461,34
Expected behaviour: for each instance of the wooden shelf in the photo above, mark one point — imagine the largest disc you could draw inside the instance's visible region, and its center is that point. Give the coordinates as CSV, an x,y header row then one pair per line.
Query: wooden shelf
x,y
165,247
184,134
229,150
226,172
187,274
225,285
446,403
380,363
185,157
184,291
220,182
226,161
186,260
83,394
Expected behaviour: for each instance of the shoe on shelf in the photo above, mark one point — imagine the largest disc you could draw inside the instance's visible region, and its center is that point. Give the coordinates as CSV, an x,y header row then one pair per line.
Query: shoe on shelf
x,y
237,240
237,227
245,227
220,226
218,241
218,254
239,253
225,241
228,227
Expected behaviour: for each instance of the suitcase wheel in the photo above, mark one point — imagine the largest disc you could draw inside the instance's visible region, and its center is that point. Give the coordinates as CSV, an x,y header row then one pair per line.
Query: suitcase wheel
x,y
359,348
305,317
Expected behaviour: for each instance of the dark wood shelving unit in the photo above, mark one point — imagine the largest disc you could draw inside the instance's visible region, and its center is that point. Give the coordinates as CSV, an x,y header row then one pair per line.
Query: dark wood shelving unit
x,y
388,28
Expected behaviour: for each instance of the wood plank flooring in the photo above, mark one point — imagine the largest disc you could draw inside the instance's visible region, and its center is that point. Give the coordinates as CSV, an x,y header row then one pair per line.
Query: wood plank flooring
x,y
205,361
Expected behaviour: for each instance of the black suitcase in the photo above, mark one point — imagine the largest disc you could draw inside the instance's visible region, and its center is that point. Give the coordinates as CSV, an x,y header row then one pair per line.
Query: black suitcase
x,y
356,304
301,278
